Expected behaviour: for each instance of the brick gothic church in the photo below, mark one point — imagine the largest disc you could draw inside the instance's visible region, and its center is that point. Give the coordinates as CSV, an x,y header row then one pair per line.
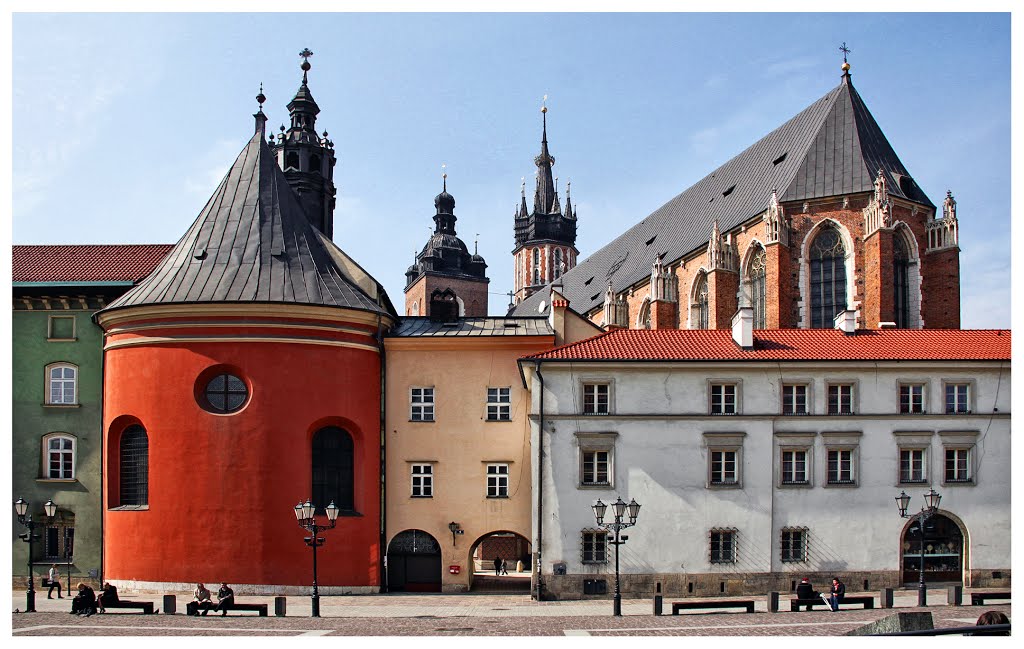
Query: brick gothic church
x,y
817,217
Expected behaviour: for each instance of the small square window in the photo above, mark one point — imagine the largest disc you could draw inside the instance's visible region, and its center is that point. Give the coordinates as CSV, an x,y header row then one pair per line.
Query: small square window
x,y
840,399
912,466
840,466
958,399
421,404
912,399
595,468
794,545
723,546
794,467
723,467
60,327
422,481
497,481
499,404
594,546
723,399
595,398
958,465
794,399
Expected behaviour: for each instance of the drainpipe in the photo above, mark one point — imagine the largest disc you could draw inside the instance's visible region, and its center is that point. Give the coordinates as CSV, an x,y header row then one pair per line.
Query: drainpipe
x,y
540,490
383,450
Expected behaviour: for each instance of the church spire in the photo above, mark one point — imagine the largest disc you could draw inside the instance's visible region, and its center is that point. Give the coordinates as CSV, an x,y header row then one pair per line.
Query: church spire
x,y
302,108
544,196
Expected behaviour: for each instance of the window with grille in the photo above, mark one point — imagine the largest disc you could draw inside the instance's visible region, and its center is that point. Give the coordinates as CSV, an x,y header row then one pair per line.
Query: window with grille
x,y
957,395
333,469
723,398
421,404
794,467
225,393
595,398
594,545
497,481
595,468
134,467
794,399
536,266
60,457
723,468
422,481
911,399
794,545
703,318
499,404
840,399
840,466
958,465
723,546
61,384
756,279
912,466
59,539
828,278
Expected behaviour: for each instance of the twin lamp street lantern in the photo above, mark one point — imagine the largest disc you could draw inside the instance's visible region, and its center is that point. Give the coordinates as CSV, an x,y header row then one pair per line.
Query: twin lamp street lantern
x,y
21,509
619,511
305,514
931,505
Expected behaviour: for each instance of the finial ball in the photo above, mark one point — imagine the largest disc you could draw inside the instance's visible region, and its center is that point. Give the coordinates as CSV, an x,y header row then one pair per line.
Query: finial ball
x,y
305,66
543,109
846,66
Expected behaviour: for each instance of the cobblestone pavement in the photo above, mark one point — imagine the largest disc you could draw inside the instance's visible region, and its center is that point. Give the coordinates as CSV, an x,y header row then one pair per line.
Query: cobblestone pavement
x,y
466,615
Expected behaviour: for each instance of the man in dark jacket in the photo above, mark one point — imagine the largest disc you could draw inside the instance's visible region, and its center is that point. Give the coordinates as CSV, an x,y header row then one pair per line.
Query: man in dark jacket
x,y
804,590
838,593
85,602
225,599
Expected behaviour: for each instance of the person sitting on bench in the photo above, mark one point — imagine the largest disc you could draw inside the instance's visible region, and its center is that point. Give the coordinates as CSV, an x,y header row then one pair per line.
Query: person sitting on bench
x,y
200,600
85,602
225,598
804,590
838,593
107,597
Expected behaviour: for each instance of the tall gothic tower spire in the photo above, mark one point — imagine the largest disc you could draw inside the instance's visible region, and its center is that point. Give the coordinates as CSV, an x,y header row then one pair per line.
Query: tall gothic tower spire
x,y
307,159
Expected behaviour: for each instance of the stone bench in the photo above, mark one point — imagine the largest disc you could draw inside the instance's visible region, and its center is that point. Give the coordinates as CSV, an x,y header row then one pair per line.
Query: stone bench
x,y
867,601
977,599
261,608
747,604
147,607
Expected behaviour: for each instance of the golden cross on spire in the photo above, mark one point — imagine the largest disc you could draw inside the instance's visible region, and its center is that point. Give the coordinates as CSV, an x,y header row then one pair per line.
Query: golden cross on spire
x,y
544,104
845,50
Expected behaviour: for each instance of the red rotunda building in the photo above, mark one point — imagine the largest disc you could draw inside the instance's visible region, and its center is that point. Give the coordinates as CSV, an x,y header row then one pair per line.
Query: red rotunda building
x,y
241,377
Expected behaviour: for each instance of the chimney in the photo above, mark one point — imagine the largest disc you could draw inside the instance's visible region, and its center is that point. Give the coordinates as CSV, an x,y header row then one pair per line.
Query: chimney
x,y
846,321
743,327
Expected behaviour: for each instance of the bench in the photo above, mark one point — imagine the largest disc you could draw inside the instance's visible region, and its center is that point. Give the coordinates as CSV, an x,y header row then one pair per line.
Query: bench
x,y
867,601
261,608
147,607
747,604
977,599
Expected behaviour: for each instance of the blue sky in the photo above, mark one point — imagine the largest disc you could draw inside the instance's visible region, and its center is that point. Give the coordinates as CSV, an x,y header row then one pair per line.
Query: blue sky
x,y
123,124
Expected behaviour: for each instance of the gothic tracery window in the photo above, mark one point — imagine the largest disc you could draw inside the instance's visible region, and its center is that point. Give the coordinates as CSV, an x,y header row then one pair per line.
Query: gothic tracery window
x,y
700,306
828,277
901,281
756,281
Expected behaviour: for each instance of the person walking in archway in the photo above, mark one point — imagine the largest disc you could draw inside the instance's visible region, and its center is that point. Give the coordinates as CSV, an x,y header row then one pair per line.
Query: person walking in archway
x,y
497,566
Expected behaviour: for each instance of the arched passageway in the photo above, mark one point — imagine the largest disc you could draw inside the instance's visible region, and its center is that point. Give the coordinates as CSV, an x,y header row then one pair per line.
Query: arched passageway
x,y
501,563
414,563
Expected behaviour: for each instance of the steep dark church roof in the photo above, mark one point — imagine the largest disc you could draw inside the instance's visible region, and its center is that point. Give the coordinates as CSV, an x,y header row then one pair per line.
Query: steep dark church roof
x,y
252,242
832,147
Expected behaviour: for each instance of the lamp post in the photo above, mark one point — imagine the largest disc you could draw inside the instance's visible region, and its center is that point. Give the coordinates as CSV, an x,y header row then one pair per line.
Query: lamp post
x,y
931,505
305,515
619,510
21,509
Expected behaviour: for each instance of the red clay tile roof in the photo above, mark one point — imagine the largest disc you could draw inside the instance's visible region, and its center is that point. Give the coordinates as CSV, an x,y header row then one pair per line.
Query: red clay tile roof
x,y
100,263
787,345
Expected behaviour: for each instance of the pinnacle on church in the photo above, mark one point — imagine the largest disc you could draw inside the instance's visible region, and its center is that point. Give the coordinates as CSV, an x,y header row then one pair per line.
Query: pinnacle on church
x,y
846,64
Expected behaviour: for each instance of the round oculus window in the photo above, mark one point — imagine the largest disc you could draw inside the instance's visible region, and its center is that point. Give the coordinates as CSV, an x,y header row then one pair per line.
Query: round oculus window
x,y
225,393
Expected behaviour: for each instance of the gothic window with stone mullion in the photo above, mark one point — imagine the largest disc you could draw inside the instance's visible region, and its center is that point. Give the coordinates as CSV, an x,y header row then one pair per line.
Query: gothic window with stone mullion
x,y
701,305
901,281
828,278
756,280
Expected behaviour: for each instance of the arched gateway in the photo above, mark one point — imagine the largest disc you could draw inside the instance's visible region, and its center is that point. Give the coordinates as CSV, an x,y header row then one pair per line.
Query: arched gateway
x,y
943,552
414,563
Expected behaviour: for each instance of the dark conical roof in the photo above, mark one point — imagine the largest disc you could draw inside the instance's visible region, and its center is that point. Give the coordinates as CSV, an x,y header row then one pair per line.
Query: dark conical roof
x,y
252,242
832,147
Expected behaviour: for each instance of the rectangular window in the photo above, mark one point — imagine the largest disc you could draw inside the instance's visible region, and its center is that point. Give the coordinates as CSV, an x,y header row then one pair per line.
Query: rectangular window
x,y
422,404
723,546
59,541
794,399
497,481
840,399
60,327
62,384
794,467
594,544
595,398
912,465
957,395
422,481
723,467
794,545
958,465
723,398
595,468
499,404
840,466
60,456
911,399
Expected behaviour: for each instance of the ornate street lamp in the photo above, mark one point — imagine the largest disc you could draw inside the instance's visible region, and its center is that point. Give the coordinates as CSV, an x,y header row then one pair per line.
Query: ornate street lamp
x,y
21,509
931,505
619,510
305,515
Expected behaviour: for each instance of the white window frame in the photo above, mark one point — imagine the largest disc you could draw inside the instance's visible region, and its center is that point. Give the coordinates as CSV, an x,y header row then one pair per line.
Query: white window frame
x,y
49,327
420,408
499,404
922,386
908,480
962,454
791,399
63,380
715,442
595,386
786,553
720,401
46,453
591,465
421,480
718,460
961,442
536,267
598,540
795,478
850,407
835,479
721,533
497,479
596,443
967,407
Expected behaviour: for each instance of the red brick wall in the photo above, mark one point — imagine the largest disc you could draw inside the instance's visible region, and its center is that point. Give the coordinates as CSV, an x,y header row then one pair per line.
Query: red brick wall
x,y
780,288
940,289
472,293
722,287
663,315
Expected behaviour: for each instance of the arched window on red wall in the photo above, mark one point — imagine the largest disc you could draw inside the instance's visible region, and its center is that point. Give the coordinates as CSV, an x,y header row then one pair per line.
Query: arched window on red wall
x,y
332,469
134,466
